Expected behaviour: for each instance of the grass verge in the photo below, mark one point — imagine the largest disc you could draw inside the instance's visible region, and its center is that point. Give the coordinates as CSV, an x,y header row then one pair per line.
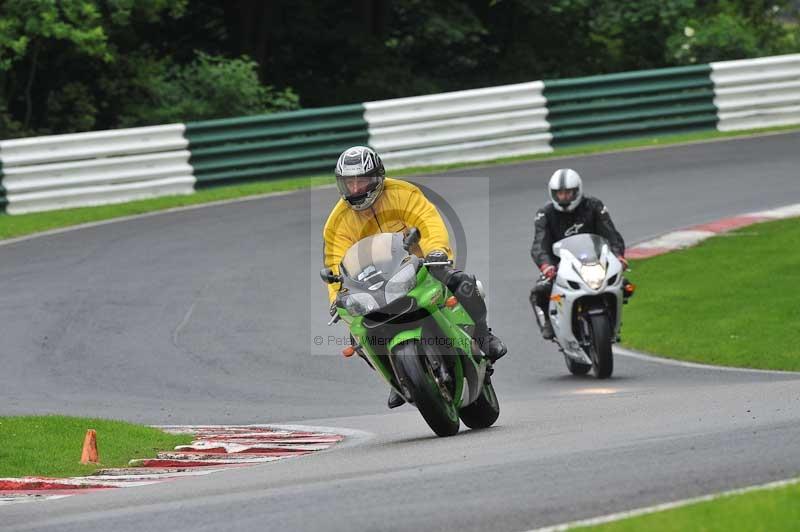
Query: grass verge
x,y
728,301
51,445
770,509
21,225
25,224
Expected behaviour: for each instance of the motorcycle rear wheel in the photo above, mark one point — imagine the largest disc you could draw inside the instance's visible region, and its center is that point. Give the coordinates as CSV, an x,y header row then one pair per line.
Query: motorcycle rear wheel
x,y
417,377
484,411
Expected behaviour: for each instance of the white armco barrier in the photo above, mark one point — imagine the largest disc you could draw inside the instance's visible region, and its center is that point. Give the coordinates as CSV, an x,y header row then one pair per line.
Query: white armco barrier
x,y
755,93
471,125
75,146
96,168
98,195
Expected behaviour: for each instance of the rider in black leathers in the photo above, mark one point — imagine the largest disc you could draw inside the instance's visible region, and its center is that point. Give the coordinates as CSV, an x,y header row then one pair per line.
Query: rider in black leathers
x,y
568,213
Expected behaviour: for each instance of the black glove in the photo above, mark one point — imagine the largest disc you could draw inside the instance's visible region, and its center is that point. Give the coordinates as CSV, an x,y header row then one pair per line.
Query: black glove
x,y
332,310
543,285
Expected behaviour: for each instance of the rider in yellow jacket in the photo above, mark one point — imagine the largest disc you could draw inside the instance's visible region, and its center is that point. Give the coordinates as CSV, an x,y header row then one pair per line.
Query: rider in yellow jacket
x,y
401,205
370,203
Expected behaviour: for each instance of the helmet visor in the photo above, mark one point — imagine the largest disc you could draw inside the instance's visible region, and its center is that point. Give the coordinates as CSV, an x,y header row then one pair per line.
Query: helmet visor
x,y
564,196
356,188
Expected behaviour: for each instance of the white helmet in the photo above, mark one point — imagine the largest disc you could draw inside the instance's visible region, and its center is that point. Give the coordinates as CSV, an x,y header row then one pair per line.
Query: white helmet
x,y
362,163
565,179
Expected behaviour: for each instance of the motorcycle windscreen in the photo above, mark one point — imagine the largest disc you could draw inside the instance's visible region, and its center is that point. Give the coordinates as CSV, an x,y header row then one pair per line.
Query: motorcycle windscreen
x,y
374,259
586,247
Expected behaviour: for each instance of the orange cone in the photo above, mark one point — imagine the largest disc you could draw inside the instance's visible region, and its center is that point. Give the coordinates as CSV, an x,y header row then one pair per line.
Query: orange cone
x,y
89,454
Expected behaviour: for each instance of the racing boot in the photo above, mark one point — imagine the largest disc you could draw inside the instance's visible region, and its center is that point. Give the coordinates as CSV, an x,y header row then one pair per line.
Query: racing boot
x,y
547,329
395,399
467,289
540,299
490,344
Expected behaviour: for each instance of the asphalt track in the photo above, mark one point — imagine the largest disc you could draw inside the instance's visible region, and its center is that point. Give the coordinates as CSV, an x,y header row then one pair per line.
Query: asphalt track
x,y
206,316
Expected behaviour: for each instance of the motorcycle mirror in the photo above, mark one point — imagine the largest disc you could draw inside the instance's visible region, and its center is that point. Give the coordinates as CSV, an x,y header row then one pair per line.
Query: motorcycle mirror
x,y
411,238
328,276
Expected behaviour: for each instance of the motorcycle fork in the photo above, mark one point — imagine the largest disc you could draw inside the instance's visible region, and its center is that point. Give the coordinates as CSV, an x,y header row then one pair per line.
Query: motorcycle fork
x,y
586,333
448,372
582,312
441,374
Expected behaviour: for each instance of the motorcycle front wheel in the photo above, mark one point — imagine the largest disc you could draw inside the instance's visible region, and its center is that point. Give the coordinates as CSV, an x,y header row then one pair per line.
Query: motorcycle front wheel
x,y
417,377
602,357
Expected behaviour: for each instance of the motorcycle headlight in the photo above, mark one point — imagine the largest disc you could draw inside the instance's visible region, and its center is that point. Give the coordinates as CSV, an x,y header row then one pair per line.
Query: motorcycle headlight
x,y
593,275
360,304
401,283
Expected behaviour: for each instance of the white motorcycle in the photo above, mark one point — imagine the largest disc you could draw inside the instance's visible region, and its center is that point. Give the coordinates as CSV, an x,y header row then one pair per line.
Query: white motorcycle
x,y
586,303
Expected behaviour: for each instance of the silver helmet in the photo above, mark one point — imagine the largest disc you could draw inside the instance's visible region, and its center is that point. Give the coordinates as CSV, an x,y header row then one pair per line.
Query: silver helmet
x,y
568,180
359,177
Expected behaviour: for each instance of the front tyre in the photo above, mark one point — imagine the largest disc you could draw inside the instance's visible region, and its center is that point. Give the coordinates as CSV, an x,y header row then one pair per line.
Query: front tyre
x,y
417,377
602,357
484,411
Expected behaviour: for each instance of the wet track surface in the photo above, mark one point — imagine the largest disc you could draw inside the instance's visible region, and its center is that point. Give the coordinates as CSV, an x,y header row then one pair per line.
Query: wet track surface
x,y
208,315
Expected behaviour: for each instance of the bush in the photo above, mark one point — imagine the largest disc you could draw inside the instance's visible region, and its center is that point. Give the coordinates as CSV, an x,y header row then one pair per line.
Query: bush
x,y
208,87
732,33
10,128
726,36
71,109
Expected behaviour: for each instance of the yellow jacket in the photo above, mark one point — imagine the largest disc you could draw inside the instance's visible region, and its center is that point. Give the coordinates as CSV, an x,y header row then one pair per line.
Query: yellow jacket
x,y
400,206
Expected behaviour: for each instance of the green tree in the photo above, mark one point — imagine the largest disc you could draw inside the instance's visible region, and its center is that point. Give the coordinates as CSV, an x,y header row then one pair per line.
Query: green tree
x,y
73,65
334,51
735,30
31,29
635,34
52,54
76,65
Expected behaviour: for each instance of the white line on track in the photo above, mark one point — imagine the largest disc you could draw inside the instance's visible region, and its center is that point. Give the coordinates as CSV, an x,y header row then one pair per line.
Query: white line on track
x,y
184,322
16,499
694,365
666,506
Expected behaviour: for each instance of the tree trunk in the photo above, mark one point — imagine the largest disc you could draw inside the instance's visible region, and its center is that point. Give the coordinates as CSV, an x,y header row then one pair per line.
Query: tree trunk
x,y
373,15
29,86
262,49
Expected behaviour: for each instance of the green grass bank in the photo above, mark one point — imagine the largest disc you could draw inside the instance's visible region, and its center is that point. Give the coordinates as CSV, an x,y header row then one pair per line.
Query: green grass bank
x,y
51,446
729,301
767,510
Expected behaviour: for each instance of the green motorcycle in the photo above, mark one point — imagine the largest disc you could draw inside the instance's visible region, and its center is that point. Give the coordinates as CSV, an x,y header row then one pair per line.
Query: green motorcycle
x,y
413,332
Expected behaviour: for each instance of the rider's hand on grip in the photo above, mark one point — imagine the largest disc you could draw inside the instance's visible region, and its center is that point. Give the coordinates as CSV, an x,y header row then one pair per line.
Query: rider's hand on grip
x,y
548,270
